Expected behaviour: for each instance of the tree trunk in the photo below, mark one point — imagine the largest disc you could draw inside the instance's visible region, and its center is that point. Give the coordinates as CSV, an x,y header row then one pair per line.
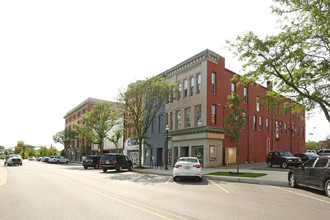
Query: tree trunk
x,y
140,153
237,157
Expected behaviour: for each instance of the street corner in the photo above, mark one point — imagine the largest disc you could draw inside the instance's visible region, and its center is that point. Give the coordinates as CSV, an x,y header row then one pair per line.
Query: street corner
x,y
3,176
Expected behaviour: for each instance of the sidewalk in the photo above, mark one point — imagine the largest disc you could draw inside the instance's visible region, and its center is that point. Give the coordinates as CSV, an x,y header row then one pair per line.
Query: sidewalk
x,y
276,178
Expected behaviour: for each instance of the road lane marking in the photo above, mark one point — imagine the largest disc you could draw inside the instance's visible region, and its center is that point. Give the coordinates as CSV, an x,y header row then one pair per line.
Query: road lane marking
x,y
169,180
218,186
310,197
128,203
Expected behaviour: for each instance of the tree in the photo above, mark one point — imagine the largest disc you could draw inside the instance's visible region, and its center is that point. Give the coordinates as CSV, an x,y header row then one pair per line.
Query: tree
x,y
116,137
99,122
312,145
297,59
65,137
234,121
141,101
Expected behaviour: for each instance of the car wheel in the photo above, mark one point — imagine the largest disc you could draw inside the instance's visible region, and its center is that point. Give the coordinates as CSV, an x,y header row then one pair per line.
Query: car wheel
x,y
130,168
105,169
85,167
67,162
119,169
292,180
269,164
284,165
96,166
200,179
175,178
327,188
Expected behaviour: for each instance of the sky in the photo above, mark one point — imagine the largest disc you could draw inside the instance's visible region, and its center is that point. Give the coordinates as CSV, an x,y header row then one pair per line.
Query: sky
x,y
56,54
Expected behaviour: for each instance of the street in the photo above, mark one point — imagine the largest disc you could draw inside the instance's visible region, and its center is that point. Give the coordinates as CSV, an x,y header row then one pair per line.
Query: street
x,y
38,190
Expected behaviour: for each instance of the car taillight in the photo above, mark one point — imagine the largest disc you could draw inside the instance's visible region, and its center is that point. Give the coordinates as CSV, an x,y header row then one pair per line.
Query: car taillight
x,y
92,161
177,166
115,162
198,166
100,161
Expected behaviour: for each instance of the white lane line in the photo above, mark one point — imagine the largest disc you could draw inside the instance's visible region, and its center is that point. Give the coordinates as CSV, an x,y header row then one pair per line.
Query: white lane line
x,y
169,180
310,197
218,186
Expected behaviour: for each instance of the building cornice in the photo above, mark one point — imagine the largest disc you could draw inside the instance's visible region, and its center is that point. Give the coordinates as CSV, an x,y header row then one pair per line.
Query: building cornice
x,y
201,129
197,59
88,101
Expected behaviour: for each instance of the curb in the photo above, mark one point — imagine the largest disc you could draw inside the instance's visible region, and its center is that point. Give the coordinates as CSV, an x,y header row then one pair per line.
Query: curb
x,y
227,178
3,176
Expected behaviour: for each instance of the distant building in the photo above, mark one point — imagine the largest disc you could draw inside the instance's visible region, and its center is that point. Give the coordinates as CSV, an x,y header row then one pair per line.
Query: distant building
x,y
75,116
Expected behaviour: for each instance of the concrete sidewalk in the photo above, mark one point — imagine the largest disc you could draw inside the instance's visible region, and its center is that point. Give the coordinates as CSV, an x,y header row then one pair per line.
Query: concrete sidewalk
x,y
276,178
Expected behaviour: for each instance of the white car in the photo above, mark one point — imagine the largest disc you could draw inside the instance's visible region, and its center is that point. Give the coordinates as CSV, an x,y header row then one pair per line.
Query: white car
x,y
187,167
58,159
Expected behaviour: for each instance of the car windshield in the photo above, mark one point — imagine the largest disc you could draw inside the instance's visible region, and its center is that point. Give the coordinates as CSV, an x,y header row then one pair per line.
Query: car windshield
x,y
286,154
191,160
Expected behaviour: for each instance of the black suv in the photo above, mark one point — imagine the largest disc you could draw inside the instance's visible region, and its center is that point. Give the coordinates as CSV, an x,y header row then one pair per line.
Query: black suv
x,y
115,161
282,158
91,161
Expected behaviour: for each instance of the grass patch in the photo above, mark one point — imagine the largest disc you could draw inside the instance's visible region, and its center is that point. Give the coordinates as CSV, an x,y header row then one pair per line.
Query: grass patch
x,y
252,175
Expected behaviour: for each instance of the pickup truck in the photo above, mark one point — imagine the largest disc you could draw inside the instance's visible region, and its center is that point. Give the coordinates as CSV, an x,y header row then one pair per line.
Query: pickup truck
x,y
13,159
58,159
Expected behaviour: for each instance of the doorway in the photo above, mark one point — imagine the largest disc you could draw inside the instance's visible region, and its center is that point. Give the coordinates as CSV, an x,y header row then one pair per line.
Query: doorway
x,y
199,153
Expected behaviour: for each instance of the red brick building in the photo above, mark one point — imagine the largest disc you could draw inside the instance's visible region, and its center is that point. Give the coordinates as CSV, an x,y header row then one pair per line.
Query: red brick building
x,y
196,115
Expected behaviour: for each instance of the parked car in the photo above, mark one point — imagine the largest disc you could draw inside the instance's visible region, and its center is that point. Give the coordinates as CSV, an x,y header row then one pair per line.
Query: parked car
x,y
52,159
115,161
45,159
311,151
187,167
306,156
32,158
314,173
325,152
13,159
282,158
91,161
39,158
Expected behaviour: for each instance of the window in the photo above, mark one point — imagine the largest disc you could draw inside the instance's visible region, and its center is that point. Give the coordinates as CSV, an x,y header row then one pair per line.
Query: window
x,y
74,116
213,83
254,122
260,123
280,127
213,111
188,117
84,111
199,83
78,114
192,86
245,91
322,162
179,91
178,119
198,113
185,84
158,123
258,104
171,121
285,128
233,88
244,120
292,130
267,124
212,152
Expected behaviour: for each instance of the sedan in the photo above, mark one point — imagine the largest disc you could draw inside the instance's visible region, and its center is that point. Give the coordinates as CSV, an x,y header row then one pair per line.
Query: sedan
x,y
306,156
314,173
187,167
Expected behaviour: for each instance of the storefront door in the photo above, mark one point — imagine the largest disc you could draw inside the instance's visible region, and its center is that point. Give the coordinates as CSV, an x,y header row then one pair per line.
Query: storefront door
x,y
199,153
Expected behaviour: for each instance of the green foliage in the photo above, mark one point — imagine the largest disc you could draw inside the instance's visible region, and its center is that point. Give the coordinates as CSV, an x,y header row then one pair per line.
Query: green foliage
x,y
99,122
65,137
297,59
141,101
312,145
116,137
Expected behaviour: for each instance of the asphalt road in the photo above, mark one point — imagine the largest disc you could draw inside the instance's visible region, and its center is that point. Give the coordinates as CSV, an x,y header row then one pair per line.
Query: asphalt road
x,y
49,191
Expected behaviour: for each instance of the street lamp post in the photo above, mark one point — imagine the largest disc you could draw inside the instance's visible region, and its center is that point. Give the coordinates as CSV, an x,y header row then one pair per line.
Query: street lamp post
x,y
166,147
